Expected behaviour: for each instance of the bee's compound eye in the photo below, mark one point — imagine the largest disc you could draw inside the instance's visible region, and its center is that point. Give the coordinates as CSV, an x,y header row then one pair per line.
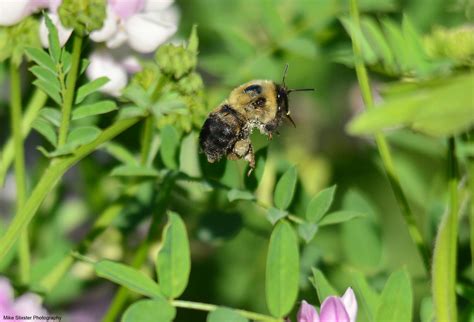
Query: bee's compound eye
x,y
259,102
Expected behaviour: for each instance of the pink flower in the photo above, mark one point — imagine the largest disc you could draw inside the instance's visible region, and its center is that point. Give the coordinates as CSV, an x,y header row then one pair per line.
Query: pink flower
x,y
27,304
143,24
333,309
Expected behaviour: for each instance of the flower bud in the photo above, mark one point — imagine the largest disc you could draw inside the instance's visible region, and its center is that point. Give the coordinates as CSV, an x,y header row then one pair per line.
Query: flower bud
x,y
84,16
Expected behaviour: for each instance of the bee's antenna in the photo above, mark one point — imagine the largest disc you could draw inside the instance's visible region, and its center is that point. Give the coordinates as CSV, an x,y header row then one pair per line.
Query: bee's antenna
x,y
284,75
300,90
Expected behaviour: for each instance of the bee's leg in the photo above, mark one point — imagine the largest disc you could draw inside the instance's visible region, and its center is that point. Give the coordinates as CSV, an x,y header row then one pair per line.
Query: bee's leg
x,y
250,157
243,149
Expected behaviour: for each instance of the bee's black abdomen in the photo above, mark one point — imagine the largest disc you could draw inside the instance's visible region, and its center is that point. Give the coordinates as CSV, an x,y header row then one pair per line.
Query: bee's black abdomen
x,y
219,133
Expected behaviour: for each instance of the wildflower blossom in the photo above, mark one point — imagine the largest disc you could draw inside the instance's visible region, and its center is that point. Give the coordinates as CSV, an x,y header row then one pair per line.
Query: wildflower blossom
x,y
27,304
333,309
142,24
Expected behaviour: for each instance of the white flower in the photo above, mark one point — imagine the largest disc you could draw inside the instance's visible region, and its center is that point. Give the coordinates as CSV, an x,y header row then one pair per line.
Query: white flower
x,y
103,63
143,24
13,11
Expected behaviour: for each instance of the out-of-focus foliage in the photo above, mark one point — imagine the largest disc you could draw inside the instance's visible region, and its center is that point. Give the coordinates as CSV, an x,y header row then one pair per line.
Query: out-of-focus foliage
x,y
419,54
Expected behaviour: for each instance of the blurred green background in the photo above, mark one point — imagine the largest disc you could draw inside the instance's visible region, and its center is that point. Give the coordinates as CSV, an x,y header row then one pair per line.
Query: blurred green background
x,y
241,40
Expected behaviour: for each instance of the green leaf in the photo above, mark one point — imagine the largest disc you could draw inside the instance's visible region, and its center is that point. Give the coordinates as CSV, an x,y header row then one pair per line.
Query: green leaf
x,y
128,277
236,194
193,42
131,170
396,301
322,285
285,189
90,88
396,42
169,146
307,231
120,153
377,41
82,135
46,75
79,136
137,95
173,263
53,115
40,57
66,57
49,89
367,298
150,310
339,217
356,33
320,204
46,130
84,64
169,102
101,107
274,214
54,46
225,314
282,270
442,109
131,112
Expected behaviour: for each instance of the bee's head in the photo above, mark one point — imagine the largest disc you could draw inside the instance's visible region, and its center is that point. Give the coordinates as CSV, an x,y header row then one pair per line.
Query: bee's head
x,y
282,93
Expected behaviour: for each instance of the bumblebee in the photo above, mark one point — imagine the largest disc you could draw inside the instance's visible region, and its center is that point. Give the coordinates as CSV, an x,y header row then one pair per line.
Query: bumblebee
x,y
260,104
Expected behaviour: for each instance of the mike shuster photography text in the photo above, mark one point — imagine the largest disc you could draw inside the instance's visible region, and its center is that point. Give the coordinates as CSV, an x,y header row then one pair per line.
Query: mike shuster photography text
x,y
7,317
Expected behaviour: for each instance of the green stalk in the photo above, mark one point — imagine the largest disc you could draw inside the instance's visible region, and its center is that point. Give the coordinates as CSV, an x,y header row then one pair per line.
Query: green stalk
x,y
68,98
19,164
384,149
211,307
147,137
49,179
444,257
470,167
6,156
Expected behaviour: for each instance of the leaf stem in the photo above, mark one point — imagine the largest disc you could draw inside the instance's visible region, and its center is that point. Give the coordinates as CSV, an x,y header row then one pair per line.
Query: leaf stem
x,y
37,101
384,149
19,165
444,259
147,137
70,90
212,307
50,178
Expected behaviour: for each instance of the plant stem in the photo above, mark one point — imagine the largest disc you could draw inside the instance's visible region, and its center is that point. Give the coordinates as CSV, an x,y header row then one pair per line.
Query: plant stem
x,y
444,259
37,101
384,149
70,90
19,165
49,179
122,295
470,167
147,137
211,307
